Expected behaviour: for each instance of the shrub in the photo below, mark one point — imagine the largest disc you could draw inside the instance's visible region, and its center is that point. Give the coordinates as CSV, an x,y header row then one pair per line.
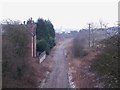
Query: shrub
x,y
78,46
106,63
41,45
15,42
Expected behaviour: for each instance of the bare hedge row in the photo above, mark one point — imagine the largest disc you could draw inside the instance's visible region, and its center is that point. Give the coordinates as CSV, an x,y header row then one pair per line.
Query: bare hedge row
x,y
15,42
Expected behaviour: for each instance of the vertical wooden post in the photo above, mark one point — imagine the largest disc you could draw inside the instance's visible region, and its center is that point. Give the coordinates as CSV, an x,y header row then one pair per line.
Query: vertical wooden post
x,y
89,35
93,39
34,46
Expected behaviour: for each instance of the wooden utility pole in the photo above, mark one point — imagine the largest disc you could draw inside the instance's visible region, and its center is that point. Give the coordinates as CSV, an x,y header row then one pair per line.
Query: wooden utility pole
x,y
93,39
89,34
118,41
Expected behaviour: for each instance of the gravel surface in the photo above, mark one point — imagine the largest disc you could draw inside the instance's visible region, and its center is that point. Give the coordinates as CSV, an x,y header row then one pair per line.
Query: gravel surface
x,y
58,78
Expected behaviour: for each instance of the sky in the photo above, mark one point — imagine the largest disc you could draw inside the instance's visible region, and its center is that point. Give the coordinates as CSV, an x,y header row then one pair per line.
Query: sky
x,y
64,15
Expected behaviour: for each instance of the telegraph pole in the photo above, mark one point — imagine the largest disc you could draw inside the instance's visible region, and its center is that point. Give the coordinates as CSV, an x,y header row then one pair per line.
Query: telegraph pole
x,y
118,41
89,33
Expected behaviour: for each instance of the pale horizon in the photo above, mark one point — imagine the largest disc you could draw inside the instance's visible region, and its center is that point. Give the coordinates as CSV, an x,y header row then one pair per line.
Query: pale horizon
x,y
63,14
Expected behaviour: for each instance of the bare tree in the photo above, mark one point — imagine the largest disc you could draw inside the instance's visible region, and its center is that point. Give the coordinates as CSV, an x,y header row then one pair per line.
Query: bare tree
x,y
105,28
101,24
9,21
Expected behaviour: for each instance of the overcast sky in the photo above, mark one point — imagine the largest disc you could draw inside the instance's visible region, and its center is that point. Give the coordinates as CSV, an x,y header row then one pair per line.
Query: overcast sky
x,y
74,15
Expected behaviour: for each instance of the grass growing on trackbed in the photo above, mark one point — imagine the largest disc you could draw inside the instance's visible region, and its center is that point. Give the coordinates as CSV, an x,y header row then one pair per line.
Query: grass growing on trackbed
x,y
105,64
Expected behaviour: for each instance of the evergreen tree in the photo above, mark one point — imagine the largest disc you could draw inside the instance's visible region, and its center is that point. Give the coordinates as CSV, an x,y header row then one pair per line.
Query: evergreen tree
x,y
45,35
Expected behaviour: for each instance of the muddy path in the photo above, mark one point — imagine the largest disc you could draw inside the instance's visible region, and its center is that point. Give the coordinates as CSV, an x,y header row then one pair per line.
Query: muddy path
x,y
58,78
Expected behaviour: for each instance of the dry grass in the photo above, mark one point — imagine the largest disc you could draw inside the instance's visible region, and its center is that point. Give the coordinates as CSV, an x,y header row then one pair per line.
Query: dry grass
x,y
40,70
82,77
33,75
97,69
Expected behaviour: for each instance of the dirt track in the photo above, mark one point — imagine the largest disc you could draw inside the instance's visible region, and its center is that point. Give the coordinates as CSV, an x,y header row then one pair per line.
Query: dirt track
x,y
58,78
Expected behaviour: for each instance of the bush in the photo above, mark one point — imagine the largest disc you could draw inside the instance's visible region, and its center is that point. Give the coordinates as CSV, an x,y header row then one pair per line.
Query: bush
x,y
48,49
106,63
15,41
15,46
78,47
51,42
41,45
